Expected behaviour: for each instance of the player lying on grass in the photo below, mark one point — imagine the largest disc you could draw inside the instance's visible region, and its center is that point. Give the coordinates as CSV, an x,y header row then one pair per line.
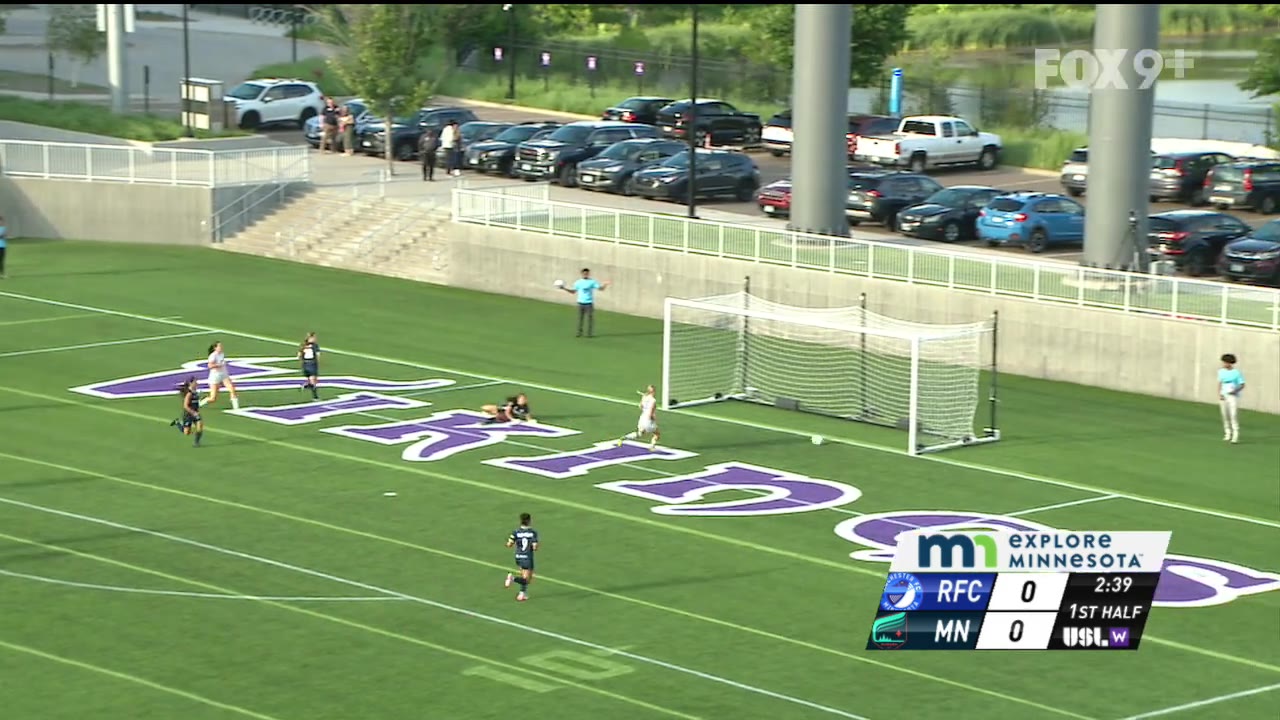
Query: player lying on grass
x,y
190,422
513,408
219,376
647,424
525,541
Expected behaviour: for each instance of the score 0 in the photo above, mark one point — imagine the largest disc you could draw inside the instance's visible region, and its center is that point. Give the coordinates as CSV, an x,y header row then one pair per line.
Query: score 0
x,y
1028,592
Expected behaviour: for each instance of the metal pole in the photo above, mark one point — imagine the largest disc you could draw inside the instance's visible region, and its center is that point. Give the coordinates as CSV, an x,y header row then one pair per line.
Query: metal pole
x,y
744,340
819,176
865,410
146,89
51,76
511,51
293,33
691,134
186,73
995,372
116,63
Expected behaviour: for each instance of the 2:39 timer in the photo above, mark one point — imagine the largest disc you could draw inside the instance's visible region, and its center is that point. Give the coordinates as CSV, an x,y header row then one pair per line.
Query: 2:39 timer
x,y
1113,584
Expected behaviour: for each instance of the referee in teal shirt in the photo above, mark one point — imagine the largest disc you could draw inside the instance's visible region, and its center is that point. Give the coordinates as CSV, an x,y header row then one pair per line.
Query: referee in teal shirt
x,y
584,288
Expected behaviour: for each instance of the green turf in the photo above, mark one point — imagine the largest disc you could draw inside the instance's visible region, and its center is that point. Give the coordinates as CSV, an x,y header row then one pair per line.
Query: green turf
x,y
1243,305
634,613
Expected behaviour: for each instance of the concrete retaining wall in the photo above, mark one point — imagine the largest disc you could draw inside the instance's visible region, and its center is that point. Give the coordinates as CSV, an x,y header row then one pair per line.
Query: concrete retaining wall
x,y
1149,355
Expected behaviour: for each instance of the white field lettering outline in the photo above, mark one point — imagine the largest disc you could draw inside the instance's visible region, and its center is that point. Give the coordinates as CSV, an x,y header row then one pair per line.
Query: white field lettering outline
x,y
509,624
934,458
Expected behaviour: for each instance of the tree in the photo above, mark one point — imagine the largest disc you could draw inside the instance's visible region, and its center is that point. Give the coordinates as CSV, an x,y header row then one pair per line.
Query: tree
x,y
878,32
73,31
385,47
1264,74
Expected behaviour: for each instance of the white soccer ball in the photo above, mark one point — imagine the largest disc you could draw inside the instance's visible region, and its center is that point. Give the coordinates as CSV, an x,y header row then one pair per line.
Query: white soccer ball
x,y
816,439
559,283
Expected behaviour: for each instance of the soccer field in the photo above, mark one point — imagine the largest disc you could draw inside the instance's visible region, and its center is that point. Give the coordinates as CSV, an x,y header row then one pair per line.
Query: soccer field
x,y
303,566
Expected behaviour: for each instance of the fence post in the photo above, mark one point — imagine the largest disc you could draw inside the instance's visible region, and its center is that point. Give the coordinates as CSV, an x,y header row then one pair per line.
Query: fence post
x,y
582,223
951,271
1080,287
46,159
758,248
795,249
1173,299
1275,312
685,240
720,239
911,266
1225,303
617,224
831,259
650,217
1128,287
88,165
1204,132
1035,282
871,260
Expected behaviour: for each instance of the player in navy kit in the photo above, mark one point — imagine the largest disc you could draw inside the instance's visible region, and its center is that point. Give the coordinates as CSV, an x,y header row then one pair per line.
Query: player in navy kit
x,y
514,408
525,541
309,354
190,423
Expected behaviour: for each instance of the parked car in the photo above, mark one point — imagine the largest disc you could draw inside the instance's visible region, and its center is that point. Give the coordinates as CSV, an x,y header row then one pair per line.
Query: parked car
x,y
929,141
778,133
1245,184
775,198
878,195
1075,171
1034,220
556,156
613,170
1180,176
948,215
473,132
1193,239
498,155
720,172
867,126
719,121
406,131
358,109
271,101
642,110
1255,257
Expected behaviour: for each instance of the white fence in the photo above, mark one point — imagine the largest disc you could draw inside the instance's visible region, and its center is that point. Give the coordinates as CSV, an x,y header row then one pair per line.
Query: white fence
x,y
990,273
156,166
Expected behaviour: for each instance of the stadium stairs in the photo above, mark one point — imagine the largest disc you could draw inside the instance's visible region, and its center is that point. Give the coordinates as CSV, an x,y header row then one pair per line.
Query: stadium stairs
x,y
377,235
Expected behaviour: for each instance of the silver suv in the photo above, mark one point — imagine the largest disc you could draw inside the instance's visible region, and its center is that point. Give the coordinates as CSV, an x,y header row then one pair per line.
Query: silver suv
x,y
270,101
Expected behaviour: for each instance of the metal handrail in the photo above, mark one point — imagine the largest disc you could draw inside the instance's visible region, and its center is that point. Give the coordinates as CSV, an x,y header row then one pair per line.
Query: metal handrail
x,y
281,189
320,218
396,220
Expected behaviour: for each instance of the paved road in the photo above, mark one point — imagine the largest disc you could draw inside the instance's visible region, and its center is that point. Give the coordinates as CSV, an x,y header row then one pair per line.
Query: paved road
x,y
771,169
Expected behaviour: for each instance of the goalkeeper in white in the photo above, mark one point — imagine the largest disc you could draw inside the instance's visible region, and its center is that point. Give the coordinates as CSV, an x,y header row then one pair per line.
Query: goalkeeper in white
x,y
648,422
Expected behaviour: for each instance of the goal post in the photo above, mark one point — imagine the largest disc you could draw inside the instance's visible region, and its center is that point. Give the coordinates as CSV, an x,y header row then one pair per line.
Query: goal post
x,y
847,362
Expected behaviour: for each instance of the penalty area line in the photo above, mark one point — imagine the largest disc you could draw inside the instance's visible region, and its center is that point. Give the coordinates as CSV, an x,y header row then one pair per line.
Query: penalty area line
x,y
1201,703
989,469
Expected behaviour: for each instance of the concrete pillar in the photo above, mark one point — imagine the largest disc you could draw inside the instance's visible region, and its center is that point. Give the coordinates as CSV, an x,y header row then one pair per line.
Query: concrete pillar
x,y
819,119
117,73
1120,117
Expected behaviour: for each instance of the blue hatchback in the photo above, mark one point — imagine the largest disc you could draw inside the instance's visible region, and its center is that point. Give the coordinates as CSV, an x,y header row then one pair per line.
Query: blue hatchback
x,y
1033,220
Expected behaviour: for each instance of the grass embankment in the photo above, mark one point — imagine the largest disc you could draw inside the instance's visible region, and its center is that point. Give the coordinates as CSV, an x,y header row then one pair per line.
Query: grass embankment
x,y
97,120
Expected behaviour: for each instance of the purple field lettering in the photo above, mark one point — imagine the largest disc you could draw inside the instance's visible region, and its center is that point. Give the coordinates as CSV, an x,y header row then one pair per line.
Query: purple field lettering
x,y
445,434
577,463
784,492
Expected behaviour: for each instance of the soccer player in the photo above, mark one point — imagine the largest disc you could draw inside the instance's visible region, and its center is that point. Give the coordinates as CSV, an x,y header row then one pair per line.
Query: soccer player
x,y
219,377
1230,383
648,422
525,541
585,289
309,354
516,407
190,421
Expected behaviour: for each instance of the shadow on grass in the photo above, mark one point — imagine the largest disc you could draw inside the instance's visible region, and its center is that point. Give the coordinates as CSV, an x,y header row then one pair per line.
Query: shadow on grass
x,y
131,271
48,482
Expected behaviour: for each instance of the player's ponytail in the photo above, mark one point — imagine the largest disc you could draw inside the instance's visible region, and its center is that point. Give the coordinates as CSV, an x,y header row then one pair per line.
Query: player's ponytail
x,y
211,347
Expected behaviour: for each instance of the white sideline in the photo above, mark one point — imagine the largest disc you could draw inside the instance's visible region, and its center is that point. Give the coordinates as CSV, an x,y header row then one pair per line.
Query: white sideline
x,y
86,346
629,402
1202,703
612,651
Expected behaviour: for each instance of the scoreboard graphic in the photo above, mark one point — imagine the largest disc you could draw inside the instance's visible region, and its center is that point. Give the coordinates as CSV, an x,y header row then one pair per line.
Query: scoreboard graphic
x,y
1062,590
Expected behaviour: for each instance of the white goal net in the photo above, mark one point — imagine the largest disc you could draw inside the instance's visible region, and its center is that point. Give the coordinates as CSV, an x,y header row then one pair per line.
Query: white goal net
x,y
843,362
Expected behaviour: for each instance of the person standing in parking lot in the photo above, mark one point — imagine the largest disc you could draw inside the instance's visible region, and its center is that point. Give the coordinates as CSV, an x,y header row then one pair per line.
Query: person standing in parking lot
x,y
347,130
329,126
449,144
428,144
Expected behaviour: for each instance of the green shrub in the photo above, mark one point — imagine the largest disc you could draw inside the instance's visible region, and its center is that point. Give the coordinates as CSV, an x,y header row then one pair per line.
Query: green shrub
x,y
315,69
1043,148
96,120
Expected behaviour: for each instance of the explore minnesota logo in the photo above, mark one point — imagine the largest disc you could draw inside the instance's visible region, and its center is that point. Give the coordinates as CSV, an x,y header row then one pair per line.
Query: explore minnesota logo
x,y
1002,551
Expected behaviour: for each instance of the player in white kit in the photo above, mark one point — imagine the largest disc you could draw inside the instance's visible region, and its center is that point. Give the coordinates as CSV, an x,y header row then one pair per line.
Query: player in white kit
x,y
647,424
219,377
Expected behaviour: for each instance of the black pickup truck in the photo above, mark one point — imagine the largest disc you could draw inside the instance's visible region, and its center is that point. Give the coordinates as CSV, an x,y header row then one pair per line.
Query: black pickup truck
x,y
721,122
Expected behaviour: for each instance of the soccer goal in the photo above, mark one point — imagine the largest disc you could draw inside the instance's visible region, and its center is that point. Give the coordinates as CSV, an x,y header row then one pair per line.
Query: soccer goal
x,y
841,362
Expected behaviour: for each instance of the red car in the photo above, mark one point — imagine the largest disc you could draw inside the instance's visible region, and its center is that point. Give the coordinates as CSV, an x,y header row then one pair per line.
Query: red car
x,y
775,198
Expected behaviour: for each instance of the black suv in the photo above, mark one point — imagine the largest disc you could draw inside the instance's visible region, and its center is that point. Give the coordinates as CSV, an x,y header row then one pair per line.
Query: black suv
x,y
612,170
637,110
498,154
878,195
947,215
720,172
556,156
474,132
1255,257
719,121
1180,176
406,131
1193,239
1245,184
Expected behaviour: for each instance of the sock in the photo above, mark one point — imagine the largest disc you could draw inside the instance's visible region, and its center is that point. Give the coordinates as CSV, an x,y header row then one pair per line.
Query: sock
x,y
524,584
199,435
235,403
315,391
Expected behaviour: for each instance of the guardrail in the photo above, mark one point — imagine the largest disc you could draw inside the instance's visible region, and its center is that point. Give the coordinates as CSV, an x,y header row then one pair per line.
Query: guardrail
x,y
156,166
1177,297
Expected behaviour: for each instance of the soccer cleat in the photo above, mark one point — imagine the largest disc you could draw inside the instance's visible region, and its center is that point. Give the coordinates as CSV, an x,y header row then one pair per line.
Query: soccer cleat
x,y
618,443
521,597
1235,439
510,579
1226,438
653,446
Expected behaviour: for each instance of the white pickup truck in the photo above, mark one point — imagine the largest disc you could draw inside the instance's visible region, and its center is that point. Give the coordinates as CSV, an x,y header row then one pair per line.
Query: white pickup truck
x,y
929,141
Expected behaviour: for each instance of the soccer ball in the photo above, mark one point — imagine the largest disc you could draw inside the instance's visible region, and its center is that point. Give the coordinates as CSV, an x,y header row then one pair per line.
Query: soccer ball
x,y
559,283
816,439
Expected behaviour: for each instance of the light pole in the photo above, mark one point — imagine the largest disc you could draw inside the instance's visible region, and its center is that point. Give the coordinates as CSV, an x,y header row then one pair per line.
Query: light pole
x,y
186,73
510,10
691,134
